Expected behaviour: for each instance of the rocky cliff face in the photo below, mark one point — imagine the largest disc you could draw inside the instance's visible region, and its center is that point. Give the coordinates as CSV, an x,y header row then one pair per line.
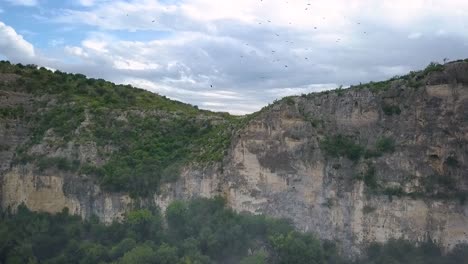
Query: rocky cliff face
x,y
405,175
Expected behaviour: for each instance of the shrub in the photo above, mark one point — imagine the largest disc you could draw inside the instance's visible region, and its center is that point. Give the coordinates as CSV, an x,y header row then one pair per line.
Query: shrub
x,y
393,191
60,163
452,161
385,144
414,83
433,67
341,146
367,209
12,112
4,147
290,100
391,110
370,180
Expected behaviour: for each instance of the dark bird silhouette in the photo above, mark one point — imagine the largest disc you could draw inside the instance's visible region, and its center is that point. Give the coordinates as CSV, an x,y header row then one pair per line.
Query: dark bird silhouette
x,y
211,85
153,21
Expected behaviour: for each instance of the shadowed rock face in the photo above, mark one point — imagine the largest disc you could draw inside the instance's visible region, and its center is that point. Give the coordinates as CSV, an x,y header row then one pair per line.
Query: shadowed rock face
x,y
277,165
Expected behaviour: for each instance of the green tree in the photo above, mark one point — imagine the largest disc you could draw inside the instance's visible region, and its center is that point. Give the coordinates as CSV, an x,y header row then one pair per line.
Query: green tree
x,y
257,258
166,254
141,254
297,248
122,247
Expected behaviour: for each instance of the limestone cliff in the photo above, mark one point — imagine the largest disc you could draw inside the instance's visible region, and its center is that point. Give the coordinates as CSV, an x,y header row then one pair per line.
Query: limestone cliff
x,y
406,178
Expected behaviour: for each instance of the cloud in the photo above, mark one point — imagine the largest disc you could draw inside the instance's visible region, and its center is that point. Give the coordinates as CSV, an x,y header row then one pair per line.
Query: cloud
x,y
23,2
394,70
415,35
14,46
56,42
86,2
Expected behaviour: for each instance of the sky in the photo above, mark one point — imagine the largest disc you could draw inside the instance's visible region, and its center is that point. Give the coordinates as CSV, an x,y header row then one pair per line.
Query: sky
x,y
234,56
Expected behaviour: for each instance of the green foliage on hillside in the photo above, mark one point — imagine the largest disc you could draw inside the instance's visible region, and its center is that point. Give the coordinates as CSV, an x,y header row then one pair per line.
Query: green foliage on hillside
x,y
12,112
391,110
433,67
144,138
385,144
339,145
344,146
200,231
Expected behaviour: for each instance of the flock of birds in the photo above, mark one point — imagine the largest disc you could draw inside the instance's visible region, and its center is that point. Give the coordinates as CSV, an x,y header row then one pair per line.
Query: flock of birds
x,y
274,53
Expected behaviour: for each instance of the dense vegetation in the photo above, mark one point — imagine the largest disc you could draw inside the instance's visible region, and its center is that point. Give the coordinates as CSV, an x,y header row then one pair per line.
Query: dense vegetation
x,y
144,138
345,146
200,231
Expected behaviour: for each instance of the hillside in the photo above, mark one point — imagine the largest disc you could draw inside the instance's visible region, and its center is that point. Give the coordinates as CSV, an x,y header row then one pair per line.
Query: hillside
x,y
366,164
123,138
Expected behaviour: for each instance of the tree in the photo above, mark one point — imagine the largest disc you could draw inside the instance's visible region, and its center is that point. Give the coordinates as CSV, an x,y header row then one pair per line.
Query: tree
x,y
122,247
144,224
142,254
257,258
297,248
166,254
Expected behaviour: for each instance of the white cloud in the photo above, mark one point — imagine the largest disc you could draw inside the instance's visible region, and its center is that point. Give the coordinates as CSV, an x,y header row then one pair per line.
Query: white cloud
x,y
86,2
282,92
56,42
394,70
415,35
338,16
23,2
126,64
14,46
76,51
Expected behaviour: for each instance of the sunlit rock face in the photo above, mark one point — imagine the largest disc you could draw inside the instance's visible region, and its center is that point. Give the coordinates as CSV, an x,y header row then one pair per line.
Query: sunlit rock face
x,y
277,165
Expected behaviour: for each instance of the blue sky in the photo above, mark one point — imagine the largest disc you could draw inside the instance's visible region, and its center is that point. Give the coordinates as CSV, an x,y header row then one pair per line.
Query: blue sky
x,y
234,56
